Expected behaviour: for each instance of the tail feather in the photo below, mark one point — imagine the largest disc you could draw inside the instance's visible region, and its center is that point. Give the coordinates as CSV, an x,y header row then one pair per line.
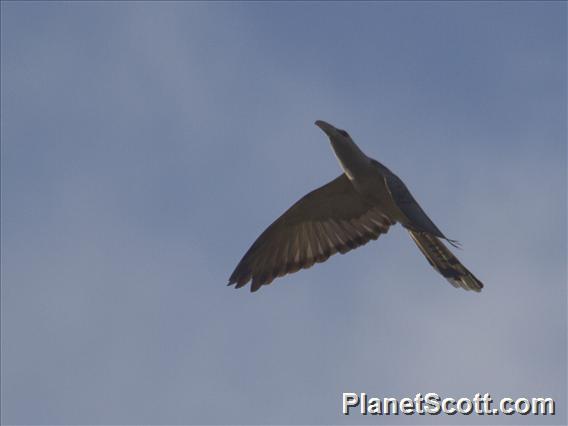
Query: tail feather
x,y
443,261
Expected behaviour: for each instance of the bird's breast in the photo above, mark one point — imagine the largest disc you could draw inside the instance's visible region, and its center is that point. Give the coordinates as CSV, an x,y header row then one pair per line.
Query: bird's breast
x,y
372,186
369,184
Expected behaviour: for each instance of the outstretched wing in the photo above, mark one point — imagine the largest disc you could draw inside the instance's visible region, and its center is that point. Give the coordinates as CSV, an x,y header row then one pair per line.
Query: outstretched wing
x,y
445,262
330,219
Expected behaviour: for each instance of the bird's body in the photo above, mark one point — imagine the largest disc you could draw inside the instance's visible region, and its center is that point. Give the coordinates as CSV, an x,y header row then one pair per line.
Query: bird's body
x,y
354,208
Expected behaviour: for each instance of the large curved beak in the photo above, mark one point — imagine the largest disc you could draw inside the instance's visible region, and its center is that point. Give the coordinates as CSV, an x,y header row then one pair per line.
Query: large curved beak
x,y
326,127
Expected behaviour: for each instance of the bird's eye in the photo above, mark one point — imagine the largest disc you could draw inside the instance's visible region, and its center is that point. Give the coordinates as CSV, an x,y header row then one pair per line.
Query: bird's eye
x,y
344,133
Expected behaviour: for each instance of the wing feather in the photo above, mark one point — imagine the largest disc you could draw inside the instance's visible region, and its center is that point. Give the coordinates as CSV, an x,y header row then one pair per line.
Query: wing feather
x,y
331,219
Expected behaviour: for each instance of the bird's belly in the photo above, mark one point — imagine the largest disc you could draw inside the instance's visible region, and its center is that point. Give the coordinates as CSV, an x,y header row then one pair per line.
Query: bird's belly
x,y
372,186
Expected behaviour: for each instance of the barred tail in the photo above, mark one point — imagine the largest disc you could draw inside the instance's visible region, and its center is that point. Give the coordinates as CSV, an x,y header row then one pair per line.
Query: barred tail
x,y
443,261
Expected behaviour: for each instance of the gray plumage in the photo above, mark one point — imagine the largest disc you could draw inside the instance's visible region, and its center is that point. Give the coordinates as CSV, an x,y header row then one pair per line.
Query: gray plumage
x,y
356,207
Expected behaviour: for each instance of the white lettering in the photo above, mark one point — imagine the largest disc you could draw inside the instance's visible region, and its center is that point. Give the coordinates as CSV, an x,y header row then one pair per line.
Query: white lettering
x,y
375,406
407,406
522,406
543,406
349,400
503,406
465,406
432,403
446,402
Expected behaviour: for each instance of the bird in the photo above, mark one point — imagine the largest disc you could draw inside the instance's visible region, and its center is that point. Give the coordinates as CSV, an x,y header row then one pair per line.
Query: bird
x,y
356,207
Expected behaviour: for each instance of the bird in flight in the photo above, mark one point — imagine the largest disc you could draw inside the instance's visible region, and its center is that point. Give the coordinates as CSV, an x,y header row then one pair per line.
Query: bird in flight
x,y
354,208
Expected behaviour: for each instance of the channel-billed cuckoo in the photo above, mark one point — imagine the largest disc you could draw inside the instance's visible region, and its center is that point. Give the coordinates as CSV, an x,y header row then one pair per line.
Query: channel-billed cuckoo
x,y
358,206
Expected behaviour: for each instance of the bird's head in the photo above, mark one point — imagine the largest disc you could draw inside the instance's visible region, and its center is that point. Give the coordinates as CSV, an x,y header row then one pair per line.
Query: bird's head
x,y
351,158
334,134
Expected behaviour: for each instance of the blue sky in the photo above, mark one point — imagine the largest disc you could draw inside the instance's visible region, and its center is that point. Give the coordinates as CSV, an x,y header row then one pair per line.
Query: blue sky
x,y
146,145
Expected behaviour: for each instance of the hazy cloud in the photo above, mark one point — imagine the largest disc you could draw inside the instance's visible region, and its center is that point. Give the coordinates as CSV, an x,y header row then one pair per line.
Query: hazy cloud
x,y
145,146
